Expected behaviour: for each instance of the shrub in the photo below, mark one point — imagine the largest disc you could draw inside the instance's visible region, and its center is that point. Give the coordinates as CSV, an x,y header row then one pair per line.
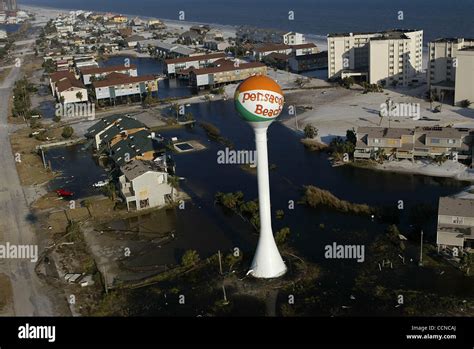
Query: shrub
x,y
68,131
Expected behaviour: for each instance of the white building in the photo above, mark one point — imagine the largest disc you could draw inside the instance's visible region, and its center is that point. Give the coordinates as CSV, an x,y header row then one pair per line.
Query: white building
x,y
117,85
3,34
390,57
293,38
144,185
95,73
174,66
66,88
450,69
464,89
455,223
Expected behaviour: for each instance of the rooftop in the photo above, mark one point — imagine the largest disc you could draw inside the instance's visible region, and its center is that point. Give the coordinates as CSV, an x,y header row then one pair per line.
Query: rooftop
x,y
456,207
121,79
136,168
392,32
196,58
100,70
442,132
226,67
384,132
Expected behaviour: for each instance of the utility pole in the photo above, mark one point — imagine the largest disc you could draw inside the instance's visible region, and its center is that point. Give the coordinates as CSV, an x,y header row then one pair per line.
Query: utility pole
x,y
296,119
220,261
225,295
421,250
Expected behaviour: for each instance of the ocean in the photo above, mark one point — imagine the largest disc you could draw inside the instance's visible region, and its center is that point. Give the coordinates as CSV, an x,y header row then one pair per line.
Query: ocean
x,y
438,18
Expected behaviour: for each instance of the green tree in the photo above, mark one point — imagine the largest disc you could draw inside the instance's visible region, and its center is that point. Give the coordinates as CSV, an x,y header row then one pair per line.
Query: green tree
x,y
79,95
282,236
68,131
310,131
467,263
173,181
190,258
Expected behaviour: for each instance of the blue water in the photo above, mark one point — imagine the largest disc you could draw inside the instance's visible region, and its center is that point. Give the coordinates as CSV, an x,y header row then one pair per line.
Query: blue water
x,y
438,18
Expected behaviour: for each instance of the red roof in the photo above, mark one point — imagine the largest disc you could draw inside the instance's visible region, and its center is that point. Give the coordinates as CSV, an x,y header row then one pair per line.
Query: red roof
x,y
271,47
308,45
121,79
91,71
56,76
64,80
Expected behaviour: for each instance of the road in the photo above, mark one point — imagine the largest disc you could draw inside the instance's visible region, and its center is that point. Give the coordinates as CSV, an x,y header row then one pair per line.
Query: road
x,y
30,295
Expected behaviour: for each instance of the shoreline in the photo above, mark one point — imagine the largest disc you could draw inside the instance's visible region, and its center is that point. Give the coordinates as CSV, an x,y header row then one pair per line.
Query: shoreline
x,y
318,39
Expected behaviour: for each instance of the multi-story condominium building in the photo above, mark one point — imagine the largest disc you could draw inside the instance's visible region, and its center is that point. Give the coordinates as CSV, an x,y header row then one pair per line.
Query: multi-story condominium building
x,y
224,74
293,38
390,57
421,142
91,74
118,86
174,66
464,88
450,59
455,224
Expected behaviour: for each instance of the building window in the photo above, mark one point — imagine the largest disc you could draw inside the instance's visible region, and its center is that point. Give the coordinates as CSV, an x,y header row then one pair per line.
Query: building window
x,y
451,141
435,140
458,220
376,140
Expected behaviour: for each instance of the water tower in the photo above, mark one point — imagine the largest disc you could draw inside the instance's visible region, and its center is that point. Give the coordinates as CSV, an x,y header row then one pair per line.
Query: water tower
x,y
259,100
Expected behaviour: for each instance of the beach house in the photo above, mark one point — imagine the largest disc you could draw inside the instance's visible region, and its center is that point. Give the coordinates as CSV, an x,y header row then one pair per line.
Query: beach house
x,y
455,230
144,185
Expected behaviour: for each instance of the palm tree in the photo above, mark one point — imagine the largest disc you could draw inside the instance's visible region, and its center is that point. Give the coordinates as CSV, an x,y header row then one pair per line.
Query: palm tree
x,y
467,261
173,181
79,96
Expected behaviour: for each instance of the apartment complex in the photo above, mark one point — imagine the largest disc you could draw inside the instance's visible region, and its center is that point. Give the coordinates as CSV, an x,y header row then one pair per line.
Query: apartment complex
x,y
116,86
389,57
421,142
263,50
224,74
451,69
176,65
455,224
91,74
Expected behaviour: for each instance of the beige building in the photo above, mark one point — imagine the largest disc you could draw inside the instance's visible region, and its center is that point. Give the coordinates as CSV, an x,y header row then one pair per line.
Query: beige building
x,y
450,58
144,184
421,142
464,87
224,74
390,57
455,223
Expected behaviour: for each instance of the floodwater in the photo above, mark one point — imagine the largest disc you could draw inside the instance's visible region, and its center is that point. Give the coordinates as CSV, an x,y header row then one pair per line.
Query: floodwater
x,y
150,66
205,227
